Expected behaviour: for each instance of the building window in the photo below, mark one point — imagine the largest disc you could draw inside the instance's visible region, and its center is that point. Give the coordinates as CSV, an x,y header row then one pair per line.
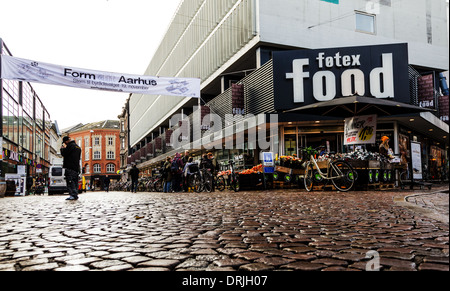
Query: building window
x,y
110,155
110,141
97,168
110,168
97,155
96,141
365,22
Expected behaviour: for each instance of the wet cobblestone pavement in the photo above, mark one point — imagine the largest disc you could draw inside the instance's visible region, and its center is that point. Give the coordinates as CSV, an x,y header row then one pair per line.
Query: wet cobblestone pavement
x,y
254,231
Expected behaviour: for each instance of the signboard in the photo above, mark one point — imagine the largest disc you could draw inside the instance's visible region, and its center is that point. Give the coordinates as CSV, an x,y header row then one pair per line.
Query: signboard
x,y
426,91
360,130
20,182
268,159
444,108
31,71
237,99
304,77
416,158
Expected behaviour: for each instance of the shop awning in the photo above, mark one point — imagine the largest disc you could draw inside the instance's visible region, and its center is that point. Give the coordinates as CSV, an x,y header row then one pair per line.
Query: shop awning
x,y
358,105
426,124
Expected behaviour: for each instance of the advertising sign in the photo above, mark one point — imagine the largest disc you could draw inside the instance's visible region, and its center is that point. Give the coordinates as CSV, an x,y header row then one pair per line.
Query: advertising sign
x,y
304,77
444,108
360,130
416,158
426,91
31,71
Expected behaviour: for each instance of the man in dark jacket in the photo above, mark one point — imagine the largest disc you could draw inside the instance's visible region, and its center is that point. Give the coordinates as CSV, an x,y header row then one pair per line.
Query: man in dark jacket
x,y
71,153
134,173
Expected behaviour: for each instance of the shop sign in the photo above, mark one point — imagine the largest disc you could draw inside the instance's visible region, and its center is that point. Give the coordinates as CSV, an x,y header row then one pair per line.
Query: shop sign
x,y
360,130
444,108
426,91
168,136
305,77
268,159
237,99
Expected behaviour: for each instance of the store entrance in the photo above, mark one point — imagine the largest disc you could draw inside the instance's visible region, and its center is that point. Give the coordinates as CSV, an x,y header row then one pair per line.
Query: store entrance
x,y
332,142
297,138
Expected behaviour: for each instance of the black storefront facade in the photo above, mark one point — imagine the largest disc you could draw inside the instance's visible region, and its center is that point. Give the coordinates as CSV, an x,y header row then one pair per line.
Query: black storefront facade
x,y
299,78
310,78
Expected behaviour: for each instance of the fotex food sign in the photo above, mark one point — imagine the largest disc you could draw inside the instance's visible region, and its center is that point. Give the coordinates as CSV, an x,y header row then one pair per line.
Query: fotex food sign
x,y
303,77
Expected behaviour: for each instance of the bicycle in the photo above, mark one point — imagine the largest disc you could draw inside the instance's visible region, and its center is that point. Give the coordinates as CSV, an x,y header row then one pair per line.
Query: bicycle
x,y
158,184
201,180
219,183
233,178
339,172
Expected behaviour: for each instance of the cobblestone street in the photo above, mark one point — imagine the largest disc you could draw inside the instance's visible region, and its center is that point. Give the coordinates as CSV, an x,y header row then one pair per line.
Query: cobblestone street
x,y
256,231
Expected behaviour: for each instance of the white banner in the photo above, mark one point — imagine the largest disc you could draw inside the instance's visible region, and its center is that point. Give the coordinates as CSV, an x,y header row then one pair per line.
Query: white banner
x,y
31,71
360,130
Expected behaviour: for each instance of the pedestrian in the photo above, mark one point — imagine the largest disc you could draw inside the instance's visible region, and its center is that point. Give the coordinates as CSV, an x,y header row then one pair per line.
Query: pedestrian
x,y
385,150
107,182
134,173
184,180
168,175
177,171
71,153
214,169
187,173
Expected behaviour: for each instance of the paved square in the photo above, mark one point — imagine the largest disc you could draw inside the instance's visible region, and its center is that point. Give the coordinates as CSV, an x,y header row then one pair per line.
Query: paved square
x,y
260,230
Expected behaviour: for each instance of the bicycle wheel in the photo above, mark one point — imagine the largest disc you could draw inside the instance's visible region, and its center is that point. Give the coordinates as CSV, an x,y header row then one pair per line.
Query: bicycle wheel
x,y
196,183
220,183
234,182
403,179
342,176
158,185
207,182
309,177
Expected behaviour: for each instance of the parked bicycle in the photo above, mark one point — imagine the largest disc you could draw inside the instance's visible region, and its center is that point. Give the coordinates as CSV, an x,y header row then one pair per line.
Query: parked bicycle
x,y
202,180
219,183
233,178
339,172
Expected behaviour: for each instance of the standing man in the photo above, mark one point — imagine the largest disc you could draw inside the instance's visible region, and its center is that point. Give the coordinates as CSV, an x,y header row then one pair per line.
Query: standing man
x,y
134,173
71,153
107,181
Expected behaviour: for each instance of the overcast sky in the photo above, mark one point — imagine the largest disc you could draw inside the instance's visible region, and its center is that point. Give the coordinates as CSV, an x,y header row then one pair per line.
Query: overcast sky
x,y
118,36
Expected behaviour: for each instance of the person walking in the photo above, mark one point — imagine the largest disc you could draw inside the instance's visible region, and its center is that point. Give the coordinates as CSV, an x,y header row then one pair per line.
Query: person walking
x,y
177,171
107,181
184,180
71,153
134,173
168,175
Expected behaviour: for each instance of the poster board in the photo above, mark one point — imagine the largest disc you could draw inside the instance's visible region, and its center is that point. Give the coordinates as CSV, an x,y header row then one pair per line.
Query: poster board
x,y
416,158
20,182
360,130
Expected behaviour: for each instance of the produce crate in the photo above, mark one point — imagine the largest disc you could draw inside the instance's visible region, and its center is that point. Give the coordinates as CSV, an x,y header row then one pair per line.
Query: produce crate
x,y
374,164
358,164
251,181
289,170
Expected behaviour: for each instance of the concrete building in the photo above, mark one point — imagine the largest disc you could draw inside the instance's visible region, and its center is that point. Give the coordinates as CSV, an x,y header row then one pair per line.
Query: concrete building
x,y
234,41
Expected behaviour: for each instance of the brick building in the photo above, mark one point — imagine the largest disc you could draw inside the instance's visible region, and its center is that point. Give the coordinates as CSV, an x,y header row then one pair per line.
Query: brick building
x,y
100,144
